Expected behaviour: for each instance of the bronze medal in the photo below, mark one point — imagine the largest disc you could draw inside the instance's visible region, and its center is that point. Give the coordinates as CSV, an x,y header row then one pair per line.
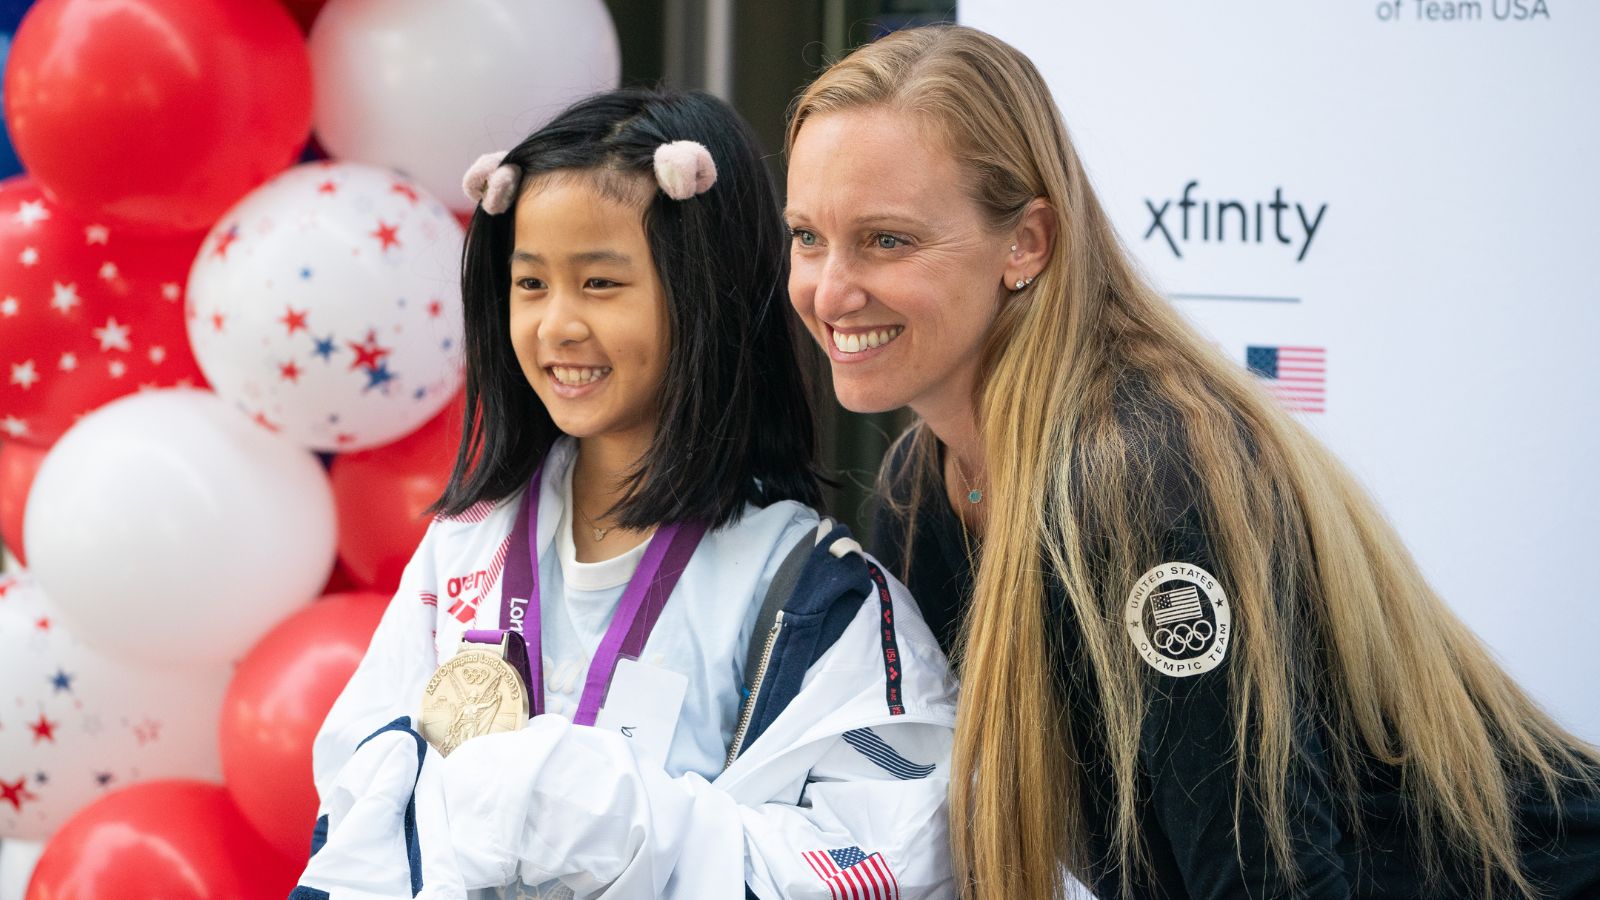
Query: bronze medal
x,y
476,692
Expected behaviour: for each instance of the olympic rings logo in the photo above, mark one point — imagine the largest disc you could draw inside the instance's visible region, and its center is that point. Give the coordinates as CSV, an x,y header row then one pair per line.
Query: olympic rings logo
x,y
1183,636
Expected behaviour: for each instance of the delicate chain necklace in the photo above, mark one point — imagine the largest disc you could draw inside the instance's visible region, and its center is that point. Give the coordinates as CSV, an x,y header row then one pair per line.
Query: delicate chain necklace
x,y
974,494
599,533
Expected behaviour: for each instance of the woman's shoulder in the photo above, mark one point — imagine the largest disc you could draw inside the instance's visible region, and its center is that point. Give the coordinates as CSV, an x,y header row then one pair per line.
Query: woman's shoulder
x,y
1137,456
1137,501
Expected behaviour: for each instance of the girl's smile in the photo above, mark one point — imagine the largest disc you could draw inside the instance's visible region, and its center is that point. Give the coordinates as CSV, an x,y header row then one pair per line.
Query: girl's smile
x,y
574,381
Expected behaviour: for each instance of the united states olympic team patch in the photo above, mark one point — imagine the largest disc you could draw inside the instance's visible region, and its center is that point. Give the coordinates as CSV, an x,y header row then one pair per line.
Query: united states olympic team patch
x,y
1179,620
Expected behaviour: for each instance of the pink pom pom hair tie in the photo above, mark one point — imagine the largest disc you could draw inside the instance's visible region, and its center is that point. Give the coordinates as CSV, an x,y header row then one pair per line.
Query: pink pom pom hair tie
x,y
491,183
684,169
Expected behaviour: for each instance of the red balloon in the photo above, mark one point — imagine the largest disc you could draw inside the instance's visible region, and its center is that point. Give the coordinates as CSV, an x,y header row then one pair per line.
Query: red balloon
x,y
18,464
279,695
176,840
304,12
88,313
157,114
340,580
381,495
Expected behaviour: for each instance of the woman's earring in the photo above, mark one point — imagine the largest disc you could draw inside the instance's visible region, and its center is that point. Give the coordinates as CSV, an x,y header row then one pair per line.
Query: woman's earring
x,y
1021,283
1013,248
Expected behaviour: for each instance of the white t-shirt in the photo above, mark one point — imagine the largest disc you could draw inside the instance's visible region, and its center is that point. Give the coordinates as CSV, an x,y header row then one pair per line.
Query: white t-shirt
x,y
574,627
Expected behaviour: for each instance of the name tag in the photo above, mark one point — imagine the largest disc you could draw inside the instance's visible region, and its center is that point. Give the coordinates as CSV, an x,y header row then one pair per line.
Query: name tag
x,y
642,705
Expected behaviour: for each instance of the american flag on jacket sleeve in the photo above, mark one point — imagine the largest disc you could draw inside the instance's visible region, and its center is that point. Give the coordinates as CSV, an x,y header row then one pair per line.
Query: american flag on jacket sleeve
x,y
1180,605
851,874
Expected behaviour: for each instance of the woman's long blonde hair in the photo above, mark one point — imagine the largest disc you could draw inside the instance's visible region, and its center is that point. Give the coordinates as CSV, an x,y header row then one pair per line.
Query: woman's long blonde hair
x,y
1397,676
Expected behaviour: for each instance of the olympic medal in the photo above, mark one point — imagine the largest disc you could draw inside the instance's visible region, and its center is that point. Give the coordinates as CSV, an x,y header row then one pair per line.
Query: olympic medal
x,y
476,692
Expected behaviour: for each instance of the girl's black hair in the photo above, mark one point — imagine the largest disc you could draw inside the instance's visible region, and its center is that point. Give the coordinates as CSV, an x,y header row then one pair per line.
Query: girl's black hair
x,y
736,422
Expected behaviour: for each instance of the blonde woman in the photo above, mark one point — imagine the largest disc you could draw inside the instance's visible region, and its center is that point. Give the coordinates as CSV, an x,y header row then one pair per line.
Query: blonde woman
x,y
1195,660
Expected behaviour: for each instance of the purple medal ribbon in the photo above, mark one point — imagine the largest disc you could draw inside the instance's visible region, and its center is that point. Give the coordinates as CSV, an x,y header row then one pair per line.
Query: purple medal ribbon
x,y
642,602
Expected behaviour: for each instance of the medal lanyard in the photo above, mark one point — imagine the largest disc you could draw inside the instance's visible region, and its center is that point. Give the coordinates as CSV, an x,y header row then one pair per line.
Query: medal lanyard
x,y
642,600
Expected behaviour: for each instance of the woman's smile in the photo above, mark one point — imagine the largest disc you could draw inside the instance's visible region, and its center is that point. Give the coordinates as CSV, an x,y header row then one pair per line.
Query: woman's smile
x,y
855,345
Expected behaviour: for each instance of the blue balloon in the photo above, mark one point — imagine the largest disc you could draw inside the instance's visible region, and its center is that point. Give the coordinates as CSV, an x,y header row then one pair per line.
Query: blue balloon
x,y
9,164
11,12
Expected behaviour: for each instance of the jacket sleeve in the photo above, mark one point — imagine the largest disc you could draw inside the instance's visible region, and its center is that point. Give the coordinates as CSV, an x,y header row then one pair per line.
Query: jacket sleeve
x,y
388,683
827,820
866,800
1189,752
386,834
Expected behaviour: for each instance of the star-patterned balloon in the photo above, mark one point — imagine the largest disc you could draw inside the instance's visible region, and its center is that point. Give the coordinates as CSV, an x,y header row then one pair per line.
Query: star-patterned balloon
x,y
88,313
75,724
326,306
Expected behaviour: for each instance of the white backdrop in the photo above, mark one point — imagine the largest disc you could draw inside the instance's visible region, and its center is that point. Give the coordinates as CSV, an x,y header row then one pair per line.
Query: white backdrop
x,y
1450,170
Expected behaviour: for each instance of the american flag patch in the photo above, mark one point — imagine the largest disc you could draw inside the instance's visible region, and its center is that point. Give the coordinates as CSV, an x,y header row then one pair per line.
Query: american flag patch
x,y
853,875
1180,605
1297,376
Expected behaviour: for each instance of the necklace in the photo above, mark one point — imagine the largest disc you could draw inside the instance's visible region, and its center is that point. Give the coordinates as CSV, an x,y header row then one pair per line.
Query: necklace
x,y
598,532
974,494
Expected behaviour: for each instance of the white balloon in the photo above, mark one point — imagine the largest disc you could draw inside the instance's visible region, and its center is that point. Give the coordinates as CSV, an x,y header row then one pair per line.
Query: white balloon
x,y
75,723
17,862
427,87
172,530
327,305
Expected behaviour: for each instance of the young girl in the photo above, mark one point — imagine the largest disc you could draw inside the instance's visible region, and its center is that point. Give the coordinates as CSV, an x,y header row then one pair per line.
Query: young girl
x,y
633,482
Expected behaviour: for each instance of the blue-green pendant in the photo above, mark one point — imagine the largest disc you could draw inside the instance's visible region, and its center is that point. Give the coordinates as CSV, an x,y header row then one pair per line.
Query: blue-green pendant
x,y
974,496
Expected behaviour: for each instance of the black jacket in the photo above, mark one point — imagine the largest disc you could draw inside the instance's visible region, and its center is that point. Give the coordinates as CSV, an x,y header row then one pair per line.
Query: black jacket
x,y
1186,778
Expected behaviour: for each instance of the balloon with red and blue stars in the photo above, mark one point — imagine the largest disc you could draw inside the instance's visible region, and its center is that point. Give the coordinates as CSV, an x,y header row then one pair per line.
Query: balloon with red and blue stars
x,y
75,723
326,306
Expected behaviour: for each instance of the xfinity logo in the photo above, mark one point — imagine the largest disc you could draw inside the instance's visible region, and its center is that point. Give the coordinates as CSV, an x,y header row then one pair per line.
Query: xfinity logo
x,y
1186,218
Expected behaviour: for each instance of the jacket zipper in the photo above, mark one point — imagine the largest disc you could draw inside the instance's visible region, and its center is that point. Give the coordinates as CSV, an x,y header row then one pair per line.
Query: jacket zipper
x,y
755,691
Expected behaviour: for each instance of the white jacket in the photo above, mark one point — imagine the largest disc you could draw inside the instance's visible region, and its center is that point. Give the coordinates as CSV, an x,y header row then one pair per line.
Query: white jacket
x,y
833,795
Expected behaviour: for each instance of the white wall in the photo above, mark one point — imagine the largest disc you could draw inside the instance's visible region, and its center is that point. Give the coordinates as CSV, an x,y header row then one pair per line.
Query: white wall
x,y
1451,279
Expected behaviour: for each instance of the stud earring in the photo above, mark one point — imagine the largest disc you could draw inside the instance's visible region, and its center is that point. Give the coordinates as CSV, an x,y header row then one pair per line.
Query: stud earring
x,y
1013,248
1021,283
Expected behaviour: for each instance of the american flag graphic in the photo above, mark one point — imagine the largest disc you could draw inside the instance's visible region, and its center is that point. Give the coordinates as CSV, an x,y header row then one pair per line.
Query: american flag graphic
x,y
851,874
1296,375
1180,605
